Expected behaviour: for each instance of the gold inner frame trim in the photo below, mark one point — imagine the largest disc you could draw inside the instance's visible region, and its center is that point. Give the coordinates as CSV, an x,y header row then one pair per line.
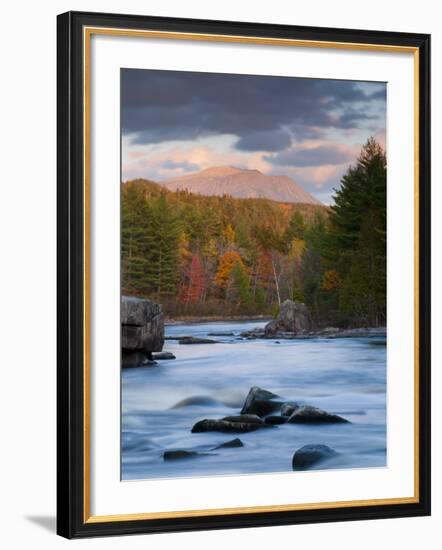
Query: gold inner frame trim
x,y
87,34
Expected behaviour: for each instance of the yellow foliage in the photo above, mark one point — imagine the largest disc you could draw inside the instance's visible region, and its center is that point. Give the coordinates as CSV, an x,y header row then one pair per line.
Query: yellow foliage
x,y
297,247
331,280
184,252
229,234
226,264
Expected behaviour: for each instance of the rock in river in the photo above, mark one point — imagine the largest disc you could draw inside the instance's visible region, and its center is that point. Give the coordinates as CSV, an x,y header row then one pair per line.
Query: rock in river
x,y
311,454
179,455
142,331
288,409
232,443
247,418
275,420
163,355
192,340
260,402
137,358
293,318
196,400
308,414
226,426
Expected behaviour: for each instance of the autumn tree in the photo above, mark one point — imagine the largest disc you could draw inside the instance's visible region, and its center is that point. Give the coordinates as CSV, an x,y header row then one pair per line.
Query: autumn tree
x,y
192,289
226,264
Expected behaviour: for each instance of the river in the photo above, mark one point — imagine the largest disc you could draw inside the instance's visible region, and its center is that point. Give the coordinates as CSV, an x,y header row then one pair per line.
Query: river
x,y
346,376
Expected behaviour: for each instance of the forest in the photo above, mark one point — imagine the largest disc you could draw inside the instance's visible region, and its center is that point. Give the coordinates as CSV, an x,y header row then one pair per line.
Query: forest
x,y
208,256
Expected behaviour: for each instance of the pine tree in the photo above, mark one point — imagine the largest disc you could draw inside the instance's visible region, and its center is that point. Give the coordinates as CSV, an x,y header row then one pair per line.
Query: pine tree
x,y
296,227
136,243
164,248
240,285
358,236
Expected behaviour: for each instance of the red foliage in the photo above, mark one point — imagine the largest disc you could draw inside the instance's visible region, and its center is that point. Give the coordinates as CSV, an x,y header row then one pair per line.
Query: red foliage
x,y
194,282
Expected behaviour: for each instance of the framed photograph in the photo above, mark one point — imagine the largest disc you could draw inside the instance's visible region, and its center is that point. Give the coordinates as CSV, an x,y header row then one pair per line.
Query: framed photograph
x,y
243,274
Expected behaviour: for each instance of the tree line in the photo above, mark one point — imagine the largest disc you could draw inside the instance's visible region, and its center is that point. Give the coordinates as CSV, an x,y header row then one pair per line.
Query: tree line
x,y
221,256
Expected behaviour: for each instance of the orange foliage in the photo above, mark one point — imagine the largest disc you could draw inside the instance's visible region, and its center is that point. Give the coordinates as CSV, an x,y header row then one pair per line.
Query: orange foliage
x,y
226,264
331,280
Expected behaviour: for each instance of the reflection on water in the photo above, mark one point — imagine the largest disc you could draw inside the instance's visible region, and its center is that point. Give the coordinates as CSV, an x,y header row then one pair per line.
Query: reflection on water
x,y
344,376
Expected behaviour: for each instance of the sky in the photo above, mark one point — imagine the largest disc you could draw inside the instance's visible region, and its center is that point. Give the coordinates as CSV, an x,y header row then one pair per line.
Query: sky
x,y
175,123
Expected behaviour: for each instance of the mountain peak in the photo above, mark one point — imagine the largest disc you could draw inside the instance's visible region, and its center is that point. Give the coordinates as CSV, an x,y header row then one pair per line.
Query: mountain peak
x,y
241,183
221,170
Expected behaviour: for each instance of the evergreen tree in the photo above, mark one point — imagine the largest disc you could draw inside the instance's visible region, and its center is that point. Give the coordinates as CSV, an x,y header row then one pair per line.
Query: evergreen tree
x,y
296,227
136,243
241,285
358,236
164,248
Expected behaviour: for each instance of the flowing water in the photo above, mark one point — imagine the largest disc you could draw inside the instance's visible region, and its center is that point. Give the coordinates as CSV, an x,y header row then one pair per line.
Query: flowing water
x,y
346,376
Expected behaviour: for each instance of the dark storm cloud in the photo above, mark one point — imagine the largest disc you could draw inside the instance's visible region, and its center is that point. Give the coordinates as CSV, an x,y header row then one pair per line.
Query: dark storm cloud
x,y
270,140
317,156
170,105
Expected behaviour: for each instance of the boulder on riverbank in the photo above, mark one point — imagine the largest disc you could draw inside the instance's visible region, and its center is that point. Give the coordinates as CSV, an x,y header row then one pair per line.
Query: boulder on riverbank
x,y
142,331
311,454
293,318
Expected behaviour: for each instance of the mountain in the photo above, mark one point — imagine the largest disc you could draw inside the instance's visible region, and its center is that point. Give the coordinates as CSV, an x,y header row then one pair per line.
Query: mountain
x,y
242,184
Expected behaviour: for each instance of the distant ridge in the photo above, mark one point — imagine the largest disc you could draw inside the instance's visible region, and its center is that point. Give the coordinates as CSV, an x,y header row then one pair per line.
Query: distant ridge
x,y
242,184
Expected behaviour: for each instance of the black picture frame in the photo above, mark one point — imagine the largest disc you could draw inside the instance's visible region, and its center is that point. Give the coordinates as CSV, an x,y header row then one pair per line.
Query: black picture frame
x,y
71,498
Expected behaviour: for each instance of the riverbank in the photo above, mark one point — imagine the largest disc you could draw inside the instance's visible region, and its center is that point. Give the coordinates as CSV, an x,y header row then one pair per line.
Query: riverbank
x,y
328,332
216,319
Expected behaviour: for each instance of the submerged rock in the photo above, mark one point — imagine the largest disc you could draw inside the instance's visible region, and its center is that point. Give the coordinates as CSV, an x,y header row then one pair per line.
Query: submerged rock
x,y
308,414
275,420
254,333
179,455
193,340
211,425
163,355
260,402
136,358
230,444
221,334
311,454
362,332
195,400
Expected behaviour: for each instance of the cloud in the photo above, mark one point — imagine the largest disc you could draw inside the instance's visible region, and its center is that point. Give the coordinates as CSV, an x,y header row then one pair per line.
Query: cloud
x,y
320,181
264,112
272,140
182,165
312,156
157,164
